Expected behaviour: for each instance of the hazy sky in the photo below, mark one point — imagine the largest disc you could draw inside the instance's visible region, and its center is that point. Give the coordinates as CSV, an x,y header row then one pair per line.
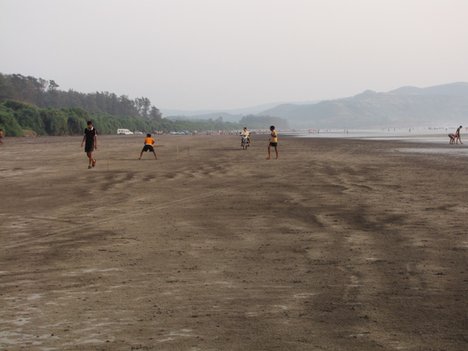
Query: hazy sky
x,y
207,54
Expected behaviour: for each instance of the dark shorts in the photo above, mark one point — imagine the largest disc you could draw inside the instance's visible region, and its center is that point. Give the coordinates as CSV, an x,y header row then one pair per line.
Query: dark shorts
x,y
274,144
148,148
89,148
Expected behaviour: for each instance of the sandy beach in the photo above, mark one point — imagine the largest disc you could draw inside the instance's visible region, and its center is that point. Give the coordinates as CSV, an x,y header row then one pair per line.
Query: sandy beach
x,y
338,245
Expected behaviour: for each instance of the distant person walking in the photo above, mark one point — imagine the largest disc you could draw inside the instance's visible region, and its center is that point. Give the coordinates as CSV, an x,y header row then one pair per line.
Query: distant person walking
x,y
90,141
1,136
273,141
149,146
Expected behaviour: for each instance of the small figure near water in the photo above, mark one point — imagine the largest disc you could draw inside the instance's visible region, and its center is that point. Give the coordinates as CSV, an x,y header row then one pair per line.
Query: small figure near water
x,y
273,141
149,143
90,141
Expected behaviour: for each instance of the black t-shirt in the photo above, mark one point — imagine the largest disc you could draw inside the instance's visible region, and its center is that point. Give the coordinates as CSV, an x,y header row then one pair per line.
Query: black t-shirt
x,y
90,133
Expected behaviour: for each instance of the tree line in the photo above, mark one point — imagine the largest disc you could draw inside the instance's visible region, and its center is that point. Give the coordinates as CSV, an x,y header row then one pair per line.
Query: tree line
x,y
37,106
45,94
19,118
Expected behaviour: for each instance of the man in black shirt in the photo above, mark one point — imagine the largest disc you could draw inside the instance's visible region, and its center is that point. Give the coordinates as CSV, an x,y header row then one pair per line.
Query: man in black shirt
x,y
90,141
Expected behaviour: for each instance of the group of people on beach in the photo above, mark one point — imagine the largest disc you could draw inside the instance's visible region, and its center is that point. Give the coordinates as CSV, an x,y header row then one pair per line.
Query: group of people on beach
x,y
273,141
90,143
455,137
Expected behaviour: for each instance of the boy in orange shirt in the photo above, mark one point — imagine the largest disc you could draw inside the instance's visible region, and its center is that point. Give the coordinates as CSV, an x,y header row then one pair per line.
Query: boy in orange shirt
x,y
149,142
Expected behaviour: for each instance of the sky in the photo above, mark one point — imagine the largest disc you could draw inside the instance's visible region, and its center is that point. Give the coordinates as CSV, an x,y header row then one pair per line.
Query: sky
x,y
223,54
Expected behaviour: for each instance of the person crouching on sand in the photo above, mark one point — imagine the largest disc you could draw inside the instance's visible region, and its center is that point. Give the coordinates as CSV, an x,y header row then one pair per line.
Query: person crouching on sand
x,y
452,138
273,141
149,143
90,141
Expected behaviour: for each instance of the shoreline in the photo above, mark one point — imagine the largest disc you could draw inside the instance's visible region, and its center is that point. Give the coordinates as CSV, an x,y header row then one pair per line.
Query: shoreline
x,y
417,144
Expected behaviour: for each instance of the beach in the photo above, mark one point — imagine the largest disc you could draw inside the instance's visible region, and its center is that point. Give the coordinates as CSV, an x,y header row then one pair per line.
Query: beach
x,y
340,244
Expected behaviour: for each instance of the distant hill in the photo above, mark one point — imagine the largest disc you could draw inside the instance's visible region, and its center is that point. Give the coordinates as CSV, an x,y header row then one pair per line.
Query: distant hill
x,y
229,115
406,106
232,115
453,89
226,117
263,122
250,121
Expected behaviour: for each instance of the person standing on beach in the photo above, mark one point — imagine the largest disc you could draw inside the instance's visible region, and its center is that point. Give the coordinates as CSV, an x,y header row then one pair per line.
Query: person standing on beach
x,y
457,135
273,141
149,143
1,136
90,141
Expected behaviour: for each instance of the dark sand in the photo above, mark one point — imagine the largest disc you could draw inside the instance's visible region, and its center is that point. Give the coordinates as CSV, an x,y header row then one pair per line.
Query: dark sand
x,y
339,245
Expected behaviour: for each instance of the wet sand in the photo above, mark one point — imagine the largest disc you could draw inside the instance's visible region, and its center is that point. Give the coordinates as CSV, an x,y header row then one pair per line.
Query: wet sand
x,y
338,245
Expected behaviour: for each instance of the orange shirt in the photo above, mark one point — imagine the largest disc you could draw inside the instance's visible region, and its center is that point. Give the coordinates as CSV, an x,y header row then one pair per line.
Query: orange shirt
x,y
149,141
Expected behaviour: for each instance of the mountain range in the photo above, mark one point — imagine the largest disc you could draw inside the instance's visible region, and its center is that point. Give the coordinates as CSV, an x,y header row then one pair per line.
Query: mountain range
x,y
407,106
404,107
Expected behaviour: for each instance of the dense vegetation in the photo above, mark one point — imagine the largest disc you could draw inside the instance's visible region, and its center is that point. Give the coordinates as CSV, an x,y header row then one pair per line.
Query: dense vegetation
x,y
37,106
45,94
18,118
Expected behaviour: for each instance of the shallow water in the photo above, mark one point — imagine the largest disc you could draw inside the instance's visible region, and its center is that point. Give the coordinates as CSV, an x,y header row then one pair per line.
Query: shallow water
x,y
419,135
439,151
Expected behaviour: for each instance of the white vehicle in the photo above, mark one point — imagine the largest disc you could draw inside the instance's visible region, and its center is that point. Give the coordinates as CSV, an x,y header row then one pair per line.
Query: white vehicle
x,y
124,132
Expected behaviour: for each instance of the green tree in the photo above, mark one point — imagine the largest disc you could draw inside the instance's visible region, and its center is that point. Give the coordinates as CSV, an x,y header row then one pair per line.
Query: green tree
x,y
8,122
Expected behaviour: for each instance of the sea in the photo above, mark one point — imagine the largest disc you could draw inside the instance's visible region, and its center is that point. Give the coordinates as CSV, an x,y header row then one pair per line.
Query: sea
x,y
435,140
